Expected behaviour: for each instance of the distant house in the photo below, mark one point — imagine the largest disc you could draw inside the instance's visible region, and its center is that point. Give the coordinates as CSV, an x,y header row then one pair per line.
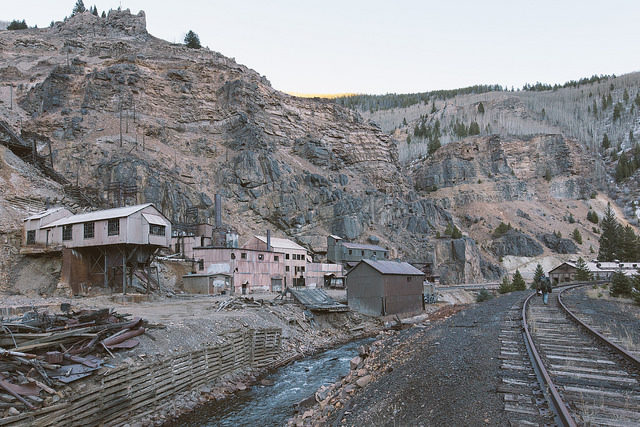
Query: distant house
x,y
381,288
34,231
106,247
295,257
341,252
566,272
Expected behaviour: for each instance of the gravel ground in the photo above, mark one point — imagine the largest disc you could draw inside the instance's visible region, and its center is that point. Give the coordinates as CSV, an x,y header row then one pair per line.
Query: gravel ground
x,y
443,374
614,317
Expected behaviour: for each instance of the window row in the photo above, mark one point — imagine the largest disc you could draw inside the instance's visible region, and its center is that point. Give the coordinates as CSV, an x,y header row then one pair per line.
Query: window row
x,y
89,229
298,257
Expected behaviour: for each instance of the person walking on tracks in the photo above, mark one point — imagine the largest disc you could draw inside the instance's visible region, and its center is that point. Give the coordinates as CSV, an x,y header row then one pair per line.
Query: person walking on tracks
x,y
545,287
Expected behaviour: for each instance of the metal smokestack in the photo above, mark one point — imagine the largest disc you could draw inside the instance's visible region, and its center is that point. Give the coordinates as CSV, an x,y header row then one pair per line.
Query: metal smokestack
x,y
268,240
218,208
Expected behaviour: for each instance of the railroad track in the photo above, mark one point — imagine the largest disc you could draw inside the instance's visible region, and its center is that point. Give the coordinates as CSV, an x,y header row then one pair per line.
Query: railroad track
x,y
587,379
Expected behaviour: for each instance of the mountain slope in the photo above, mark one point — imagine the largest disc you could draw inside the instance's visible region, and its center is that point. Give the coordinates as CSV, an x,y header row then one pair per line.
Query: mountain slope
x,y
119,105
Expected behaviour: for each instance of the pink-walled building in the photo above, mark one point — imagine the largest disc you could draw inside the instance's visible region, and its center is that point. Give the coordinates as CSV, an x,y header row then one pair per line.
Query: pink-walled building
x,y
295,257
251,269
34,231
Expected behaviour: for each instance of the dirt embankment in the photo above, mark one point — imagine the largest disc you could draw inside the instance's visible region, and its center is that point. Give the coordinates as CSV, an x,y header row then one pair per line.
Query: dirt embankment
x,y
187,324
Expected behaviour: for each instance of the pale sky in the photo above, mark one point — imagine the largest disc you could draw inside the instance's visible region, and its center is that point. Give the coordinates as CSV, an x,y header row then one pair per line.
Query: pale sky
x,y
378,46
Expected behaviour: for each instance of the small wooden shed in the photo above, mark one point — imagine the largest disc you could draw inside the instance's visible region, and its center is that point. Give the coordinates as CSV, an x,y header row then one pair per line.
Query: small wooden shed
x,y
381,288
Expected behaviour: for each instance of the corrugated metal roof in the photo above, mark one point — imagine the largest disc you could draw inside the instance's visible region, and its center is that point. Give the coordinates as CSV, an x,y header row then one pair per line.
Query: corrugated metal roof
x,y
44,213
155,219
281,243
363,246
392,267
99,215
335,237
316,299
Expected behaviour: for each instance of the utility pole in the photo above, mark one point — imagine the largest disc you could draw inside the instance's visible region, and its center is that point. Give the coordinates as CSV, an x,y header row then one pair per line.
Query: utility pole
x,y
120,121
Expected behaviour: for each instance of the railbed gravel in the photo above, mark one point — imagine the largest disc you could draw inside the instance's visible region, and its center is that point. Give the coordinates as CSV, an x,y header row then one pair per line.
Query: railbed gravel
x,y
615,318
444,374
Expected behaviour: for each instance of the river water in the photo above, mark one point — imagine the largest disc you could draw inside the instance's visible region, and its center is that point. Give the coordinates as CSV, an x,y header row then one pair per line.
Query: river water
x,y
273,405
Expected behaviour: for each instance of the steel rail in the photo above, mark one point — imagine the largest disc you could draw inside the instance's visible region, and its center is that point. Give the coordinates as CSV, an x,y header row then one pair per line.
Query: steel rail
x,y
561,409
623,352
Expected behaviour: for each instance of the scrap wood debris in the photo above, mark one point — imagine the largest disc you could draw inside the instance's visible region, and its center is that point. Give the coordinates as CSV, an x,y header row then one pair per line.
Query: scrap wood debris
x,y
41,351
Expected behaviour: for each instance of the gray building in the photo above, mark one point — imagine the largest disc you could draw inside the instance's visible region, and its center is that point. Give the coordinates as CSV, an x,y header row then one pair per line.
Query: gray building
x,y
380,288
339,251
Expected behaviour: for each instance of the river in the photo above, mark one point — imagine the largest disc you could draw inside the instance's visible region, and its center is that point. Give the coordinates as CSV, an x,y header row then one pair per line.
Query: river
x,y
272,405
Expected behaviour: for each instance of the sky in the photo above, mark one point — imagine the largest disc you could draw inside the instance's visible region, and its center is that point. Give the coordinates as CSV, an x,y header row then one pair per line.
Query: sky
x,y
383,46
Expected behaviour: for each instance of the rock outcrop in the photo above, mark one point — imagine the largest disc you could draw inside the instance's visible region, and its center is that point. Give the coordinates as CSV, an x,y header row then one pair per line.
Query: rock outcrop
x,y
516,243
119,105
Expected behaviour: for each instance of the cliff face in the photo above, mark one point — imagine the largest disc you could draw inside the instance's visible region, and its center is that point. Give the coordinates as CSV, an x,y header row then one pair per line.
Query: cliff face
x,y
118,104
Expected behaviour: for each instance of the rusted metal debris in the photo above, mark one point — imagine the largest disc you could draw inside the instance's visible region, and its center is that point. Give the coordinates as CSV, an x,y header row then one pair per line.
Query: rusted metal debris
x,y
41,351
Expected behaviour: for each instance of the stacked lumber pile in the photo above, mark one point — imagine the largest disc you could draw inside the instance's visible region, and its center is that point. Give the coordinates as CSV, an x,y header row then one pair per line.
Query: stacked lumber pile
x,y
40,352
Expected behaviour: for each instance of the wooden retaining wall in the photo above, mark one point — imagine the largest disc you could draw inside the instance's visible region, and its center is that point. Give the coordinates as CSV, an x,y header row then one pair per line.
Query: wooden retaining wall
x,y
131,393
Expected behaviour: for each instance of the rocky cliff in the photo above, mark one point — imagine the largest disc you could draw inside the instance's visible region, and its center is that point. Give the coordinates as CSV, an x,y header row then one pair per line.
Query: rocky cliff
x,y
119,105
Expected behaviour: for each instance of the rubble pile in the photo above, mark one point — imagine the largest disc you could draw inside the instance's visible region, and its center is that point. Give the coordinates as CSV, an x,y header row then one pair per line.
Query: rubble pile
x,y
40,352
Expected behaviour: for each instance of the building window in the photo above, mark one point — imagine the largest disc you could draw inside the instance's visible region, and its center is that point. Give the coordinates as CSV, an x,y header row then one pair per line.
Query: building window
x,y
260,257
67,232
89,230
113,227
408,278
233,255
350,251
286,256
201,265
286,268
302,268
31,237
276,258
243,255
362,253
374,253
156,230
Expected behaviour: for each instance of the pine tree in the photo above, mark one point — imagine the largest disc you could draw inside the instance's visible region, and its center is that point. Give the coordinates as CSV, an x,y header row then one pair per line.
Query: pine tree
x,y
582,271
617,110
518,283
577,236
605,142
17,25
627,244
456,233
625,96
104,14
505,286
608,238
537,277
192,41
480,108
620,285
474,128
94,11
78,8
